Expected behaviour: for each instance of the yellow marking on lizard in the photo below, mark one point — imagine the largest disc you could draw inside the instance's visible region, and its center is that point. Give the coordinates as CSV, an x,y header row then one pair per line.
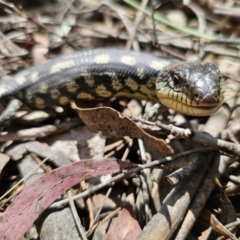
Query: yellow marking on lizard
x,y
57,67
136,95
132,84
63,100
21,80
28,95
43,88
115,82
140,73
151,82
34,76
55,93
102,59
159,65
89,80
151,95
102,91
86,96
129,60
72,86
40,103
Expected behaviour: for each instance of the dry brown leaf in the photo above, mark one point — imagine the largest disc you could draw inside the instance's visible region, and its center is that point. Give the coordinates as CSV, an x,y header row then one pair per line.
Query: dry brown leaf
x,y
113,124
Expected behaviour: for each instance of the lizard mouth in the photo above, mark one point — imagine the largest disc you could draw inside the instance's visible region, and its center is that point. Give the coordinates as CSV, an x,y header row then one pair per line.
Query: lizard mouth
x,y
193,110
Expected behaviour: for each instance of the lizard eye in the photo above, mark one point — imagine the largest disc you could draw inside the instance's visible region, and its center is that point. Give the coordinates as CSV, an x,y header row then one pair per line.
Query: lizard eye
x,y
176,80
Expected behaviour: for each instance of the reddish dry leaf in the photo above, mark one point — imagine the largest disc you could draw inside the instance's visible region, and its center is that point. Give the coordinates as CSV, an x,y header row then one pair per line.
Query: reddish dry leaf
x,y
37,196
125,227
113,124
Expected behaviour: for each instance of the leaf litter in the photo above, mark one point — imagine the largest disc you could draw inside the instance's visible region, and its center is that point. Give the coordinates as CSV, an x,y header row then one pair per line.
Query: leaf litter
x,y
37,34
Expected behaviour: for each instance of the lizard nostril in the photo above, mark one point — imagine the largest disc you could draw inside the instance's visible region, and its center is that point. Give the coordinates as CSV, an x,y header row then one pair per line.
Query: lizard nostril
x,y
198,95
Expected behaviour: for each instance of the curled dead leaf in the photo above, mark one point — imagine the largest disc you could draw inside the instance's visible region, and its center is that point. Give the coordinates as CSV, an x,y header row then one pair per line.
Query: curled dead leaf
x,y
112,124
